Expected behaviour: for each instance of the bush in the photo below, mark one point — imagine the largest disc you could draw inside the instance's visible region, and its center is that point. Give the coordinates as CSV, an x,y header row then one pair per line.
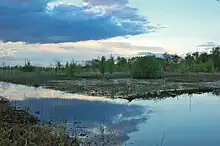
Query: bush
x,y
184,68
207,66
147,67
28,68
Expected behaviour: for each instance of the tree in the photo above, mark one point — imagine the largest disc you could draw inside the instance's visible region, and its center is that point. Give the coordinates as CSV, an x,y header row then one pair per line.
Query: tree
x,y
203,57
102,65
184,68
175,58
189,59
195,55
167,57
215,54
209,66
111,64
67,65
95,64
27,66
58,65
122,64
147,67
88,65
72,67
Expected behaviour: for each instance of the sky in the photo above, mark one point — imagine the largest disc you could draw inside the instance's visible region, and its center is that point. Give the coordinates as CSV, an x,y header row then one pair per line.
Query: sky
x,y
46,30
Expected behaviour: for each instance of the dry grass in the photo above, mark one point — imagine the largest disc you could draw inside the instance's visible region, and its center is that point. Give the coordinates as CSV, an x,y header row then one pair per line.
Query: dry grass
x,y
18,128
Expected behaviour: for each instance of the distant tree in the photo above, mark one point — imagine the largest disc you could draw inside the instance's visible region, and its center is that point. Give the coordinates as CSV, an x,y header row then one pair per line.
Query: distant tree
x,y
95,64
175,58
27,66
58,65
203,57
88,65
215,54
147,67
131,62
110,64
209,66
195,55
102,65
189,60
184,68
167,57
73,68
67,65
122,64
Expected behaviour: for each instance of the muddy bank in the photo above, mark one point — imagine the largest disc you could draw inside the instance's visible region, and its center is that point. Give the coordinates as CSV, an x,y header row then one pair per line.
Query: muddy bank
x,y
123,88
173,93
130,88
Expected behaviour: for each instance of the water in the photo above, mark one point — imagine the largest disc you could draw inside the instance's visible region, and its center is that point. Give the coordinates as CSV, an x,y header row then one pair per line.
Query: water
x,y
183,121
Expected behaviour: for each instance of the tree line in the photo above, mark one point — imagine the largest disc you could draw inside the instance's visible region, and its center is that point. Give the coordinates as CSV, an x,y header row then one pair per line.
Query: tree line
x,y
140,66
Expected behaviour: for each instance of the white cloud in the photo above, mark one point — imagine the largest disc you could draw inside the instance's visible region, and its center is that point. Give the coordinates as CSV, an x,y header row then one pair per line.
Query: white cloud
x,y
48,53
208,45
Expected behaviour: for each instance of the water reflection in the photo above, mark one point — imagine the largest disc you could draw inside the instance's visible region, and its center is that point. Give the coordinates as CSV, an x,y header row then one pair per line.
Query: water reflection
x,y
187,120
60,107
183,121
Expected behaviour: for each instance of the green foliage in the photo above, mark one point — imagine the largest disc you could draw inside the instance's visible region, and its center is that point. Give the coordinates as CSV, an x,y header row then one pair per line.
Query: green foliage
x,y
95,64
72,68
184,68
110,64
198,67
147,67
58,64
192,62
27,67
122,64
216,57
102,65
207,66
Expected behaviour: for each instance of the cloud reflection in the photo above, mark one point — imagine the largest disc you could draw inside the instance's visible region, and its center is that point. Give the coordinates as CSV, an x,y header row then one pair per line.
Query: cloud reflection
x,y
55,106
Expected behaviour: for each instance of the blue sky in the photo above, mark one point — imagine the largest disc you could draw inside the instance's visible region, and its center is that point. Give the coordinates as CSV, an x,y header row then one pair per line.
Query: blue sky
x,y
188,23
85,29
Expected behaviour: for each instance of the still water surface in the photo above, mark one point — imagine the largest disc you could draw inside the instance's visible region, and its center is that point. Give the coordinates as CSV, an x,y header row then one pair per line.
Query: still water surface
x,y
183,121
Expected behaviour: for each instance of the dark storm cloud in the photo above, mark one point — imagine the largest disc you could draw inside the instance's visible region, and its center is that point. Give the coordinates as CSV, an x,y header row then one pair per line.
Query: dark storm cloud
x,y
33,21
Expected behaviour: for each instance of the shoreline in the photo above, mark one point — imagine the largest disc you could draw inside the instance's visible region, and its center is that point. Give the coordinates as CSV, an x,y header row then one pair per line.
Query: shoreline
x,y
20,127
128,88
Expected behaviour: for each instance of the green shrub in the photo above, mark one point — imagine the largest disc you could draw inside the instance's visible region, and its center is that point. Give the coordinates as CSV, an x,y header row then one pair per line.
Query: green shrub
x,y
147,67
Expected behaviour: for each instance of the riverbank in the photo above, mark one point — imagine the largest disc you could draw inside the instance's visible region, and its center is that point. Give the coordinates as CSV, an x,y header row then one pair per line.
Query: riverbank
x,y
172,84
18,127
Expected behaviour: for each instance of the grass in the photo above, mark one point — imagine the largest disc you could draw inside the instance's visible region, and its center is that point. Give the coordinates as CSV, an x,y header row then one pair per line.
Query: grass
x,y
192,77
